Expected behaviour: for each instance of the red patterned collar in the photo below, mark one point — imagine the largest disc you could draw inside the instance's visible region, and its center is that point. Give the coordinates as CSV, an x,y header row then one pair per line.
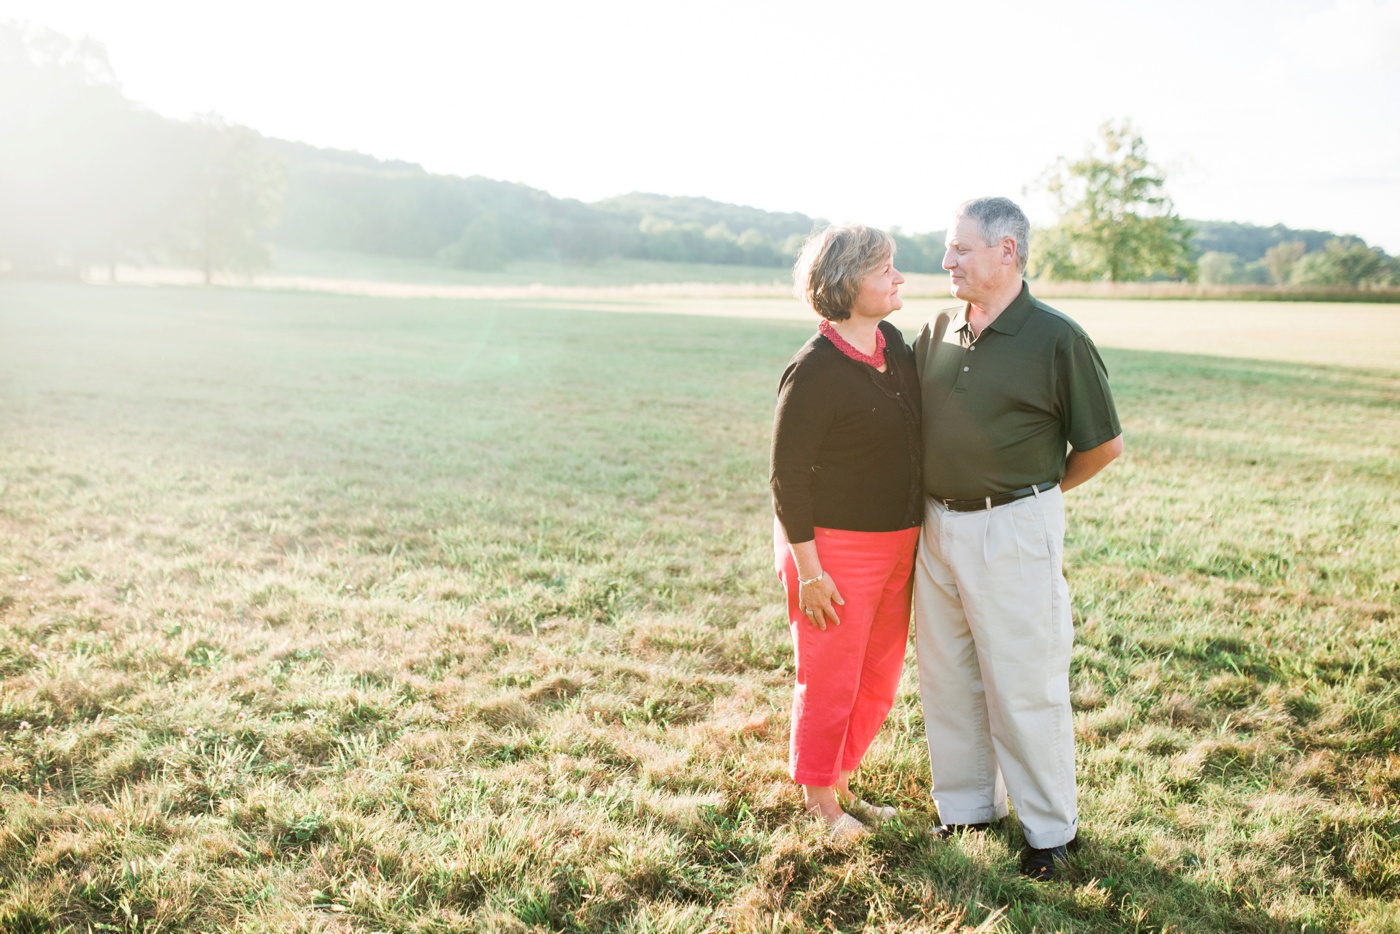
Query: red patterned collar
x,y
877,359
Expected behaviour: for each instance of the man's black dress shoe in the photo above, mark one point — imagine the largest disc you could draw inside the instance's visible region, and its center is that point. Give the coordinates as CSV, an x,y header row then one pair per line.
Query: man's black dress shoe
x,y
949,831
1042,865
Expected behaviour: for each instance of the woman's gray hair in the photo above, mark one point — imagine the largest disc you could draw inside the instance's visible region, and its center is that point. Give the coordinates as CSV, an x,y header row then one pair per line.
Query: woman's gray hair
x,y
997,219
833,262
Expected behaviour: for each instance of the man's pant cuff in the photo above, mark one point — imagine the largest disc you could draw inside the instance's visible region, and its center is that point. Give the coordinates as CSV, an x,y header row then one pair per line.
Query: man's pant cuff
x,y
1046,839
949,814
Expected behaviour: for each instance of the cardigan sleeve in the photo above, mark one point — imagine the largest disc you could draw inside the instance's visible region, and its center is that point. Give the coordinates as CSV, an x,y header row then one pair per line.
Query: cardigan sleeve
x,y
803,417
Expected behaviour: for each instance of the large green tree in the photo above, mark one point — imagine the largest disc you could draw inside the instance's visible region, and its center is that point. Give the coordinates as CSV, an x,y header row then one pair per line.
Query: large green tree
x,y
1116,221
71,180
87,176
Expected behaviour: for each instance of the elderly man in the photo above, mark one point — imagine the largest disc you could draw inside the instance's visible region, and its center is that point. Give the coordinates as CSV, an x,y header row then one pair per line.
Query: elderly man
x,y
1016,410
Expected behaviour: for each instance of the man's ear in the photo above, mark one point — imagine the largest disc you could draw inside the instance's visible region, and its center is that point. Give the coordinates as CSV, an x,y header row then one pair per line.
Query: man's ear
x,y
1008,251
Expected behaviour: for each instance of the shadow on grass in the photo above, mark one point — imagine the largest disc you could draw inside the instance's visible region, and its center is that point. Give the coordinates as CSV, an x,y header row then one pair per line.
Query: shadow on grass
x,y
1104,888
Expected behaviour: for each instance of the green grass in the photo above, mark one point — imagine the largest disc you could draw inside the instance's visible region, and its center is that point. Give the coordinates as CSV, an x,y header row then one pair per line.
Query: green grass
x,y
349,614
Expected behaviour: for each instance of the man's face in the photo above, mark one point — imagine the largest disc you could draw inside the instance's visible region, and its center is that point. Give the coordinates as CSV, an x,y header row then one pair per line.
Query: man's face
x,y
977,268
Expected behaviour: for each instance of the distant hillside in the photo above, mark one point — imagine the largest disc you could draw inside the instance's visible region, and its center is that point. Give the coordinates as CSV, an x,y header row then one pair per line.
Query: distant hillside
x,y
348,201
705,212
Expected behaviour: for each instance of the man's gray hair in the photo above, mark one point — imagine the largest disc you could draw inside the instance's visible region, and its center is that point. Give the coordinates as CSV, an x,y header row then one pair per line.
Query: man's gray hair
x,y
998,218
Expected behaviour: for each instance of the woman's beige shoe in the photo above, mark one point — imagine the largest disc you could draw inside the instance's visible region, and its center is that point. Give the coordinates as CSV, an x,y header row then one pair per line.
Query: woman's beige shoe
x,y
874,812
847,828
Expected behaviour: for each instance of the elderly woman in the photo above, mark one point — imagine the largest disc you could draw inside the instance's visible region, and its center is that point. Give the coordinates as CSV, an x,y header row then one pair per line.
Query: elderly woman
x,y
845,475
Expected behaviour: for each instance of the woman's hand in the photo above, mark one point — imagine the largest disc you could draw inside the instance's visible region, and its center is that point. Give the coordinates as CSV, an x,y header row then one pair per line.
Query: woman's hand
x,y
817,595
819,599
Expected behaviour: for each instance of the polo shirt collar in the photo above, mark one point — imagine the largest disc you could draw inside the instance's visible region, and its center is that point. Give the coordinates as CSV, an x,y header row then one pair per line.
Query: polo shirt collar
x,y
1009,321
959,320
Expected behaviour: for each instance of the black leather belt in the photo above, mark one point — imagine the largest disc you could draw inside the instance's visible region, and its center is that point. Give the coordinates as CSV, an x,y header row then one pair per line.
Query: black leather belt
x,y
1001,499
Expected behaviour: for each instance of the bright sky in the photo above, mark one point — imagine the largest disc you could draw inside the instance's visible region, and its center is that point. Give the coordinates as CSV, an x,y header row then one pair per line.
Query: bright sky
x,y
890,113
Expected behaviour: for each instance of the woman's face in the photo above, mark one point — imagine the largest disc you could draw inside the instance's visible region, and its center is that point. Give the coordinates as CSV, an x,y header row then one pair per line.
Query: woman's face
x,y
879,292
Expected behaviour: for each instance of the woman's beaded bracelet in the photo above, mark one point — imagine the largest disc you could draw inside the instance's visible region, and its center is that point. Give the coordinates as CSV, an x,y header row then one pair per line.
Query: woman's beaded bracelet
x,y
802,583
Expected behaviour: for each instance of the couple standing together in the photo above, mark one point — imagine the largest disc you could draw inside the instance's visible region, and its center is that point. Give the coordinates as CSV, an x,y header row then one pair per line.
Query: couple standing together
x,y
933,475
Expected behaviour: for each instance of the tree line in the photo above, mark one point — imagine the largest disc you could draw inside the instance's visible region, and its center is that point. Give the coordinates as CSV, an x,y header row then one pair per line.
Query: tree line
x,y
89,178
1297,258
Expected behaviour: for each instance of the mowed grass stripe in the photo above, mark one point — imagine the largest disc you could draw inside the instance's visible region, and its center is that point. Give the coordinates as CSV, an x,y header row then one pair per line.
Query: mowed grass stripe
x,y
330,613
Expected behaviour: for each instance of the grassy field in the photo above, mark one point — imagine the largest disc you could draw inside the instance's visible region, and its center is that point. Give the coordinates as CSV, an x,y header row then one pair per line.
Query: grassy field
x,y
522,272
324,613
389,277
328,265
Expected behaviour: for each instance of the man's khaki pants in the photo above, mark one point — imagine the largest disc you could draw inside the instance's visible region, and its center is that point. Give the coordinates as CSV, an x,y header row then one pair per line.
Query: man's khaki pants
x,y
993,634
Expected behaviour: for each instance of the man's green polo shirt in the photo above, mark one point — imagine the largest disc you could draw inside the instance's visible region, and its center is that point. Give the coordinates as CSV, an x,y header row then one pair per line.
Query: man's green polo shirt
x,y
999,411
